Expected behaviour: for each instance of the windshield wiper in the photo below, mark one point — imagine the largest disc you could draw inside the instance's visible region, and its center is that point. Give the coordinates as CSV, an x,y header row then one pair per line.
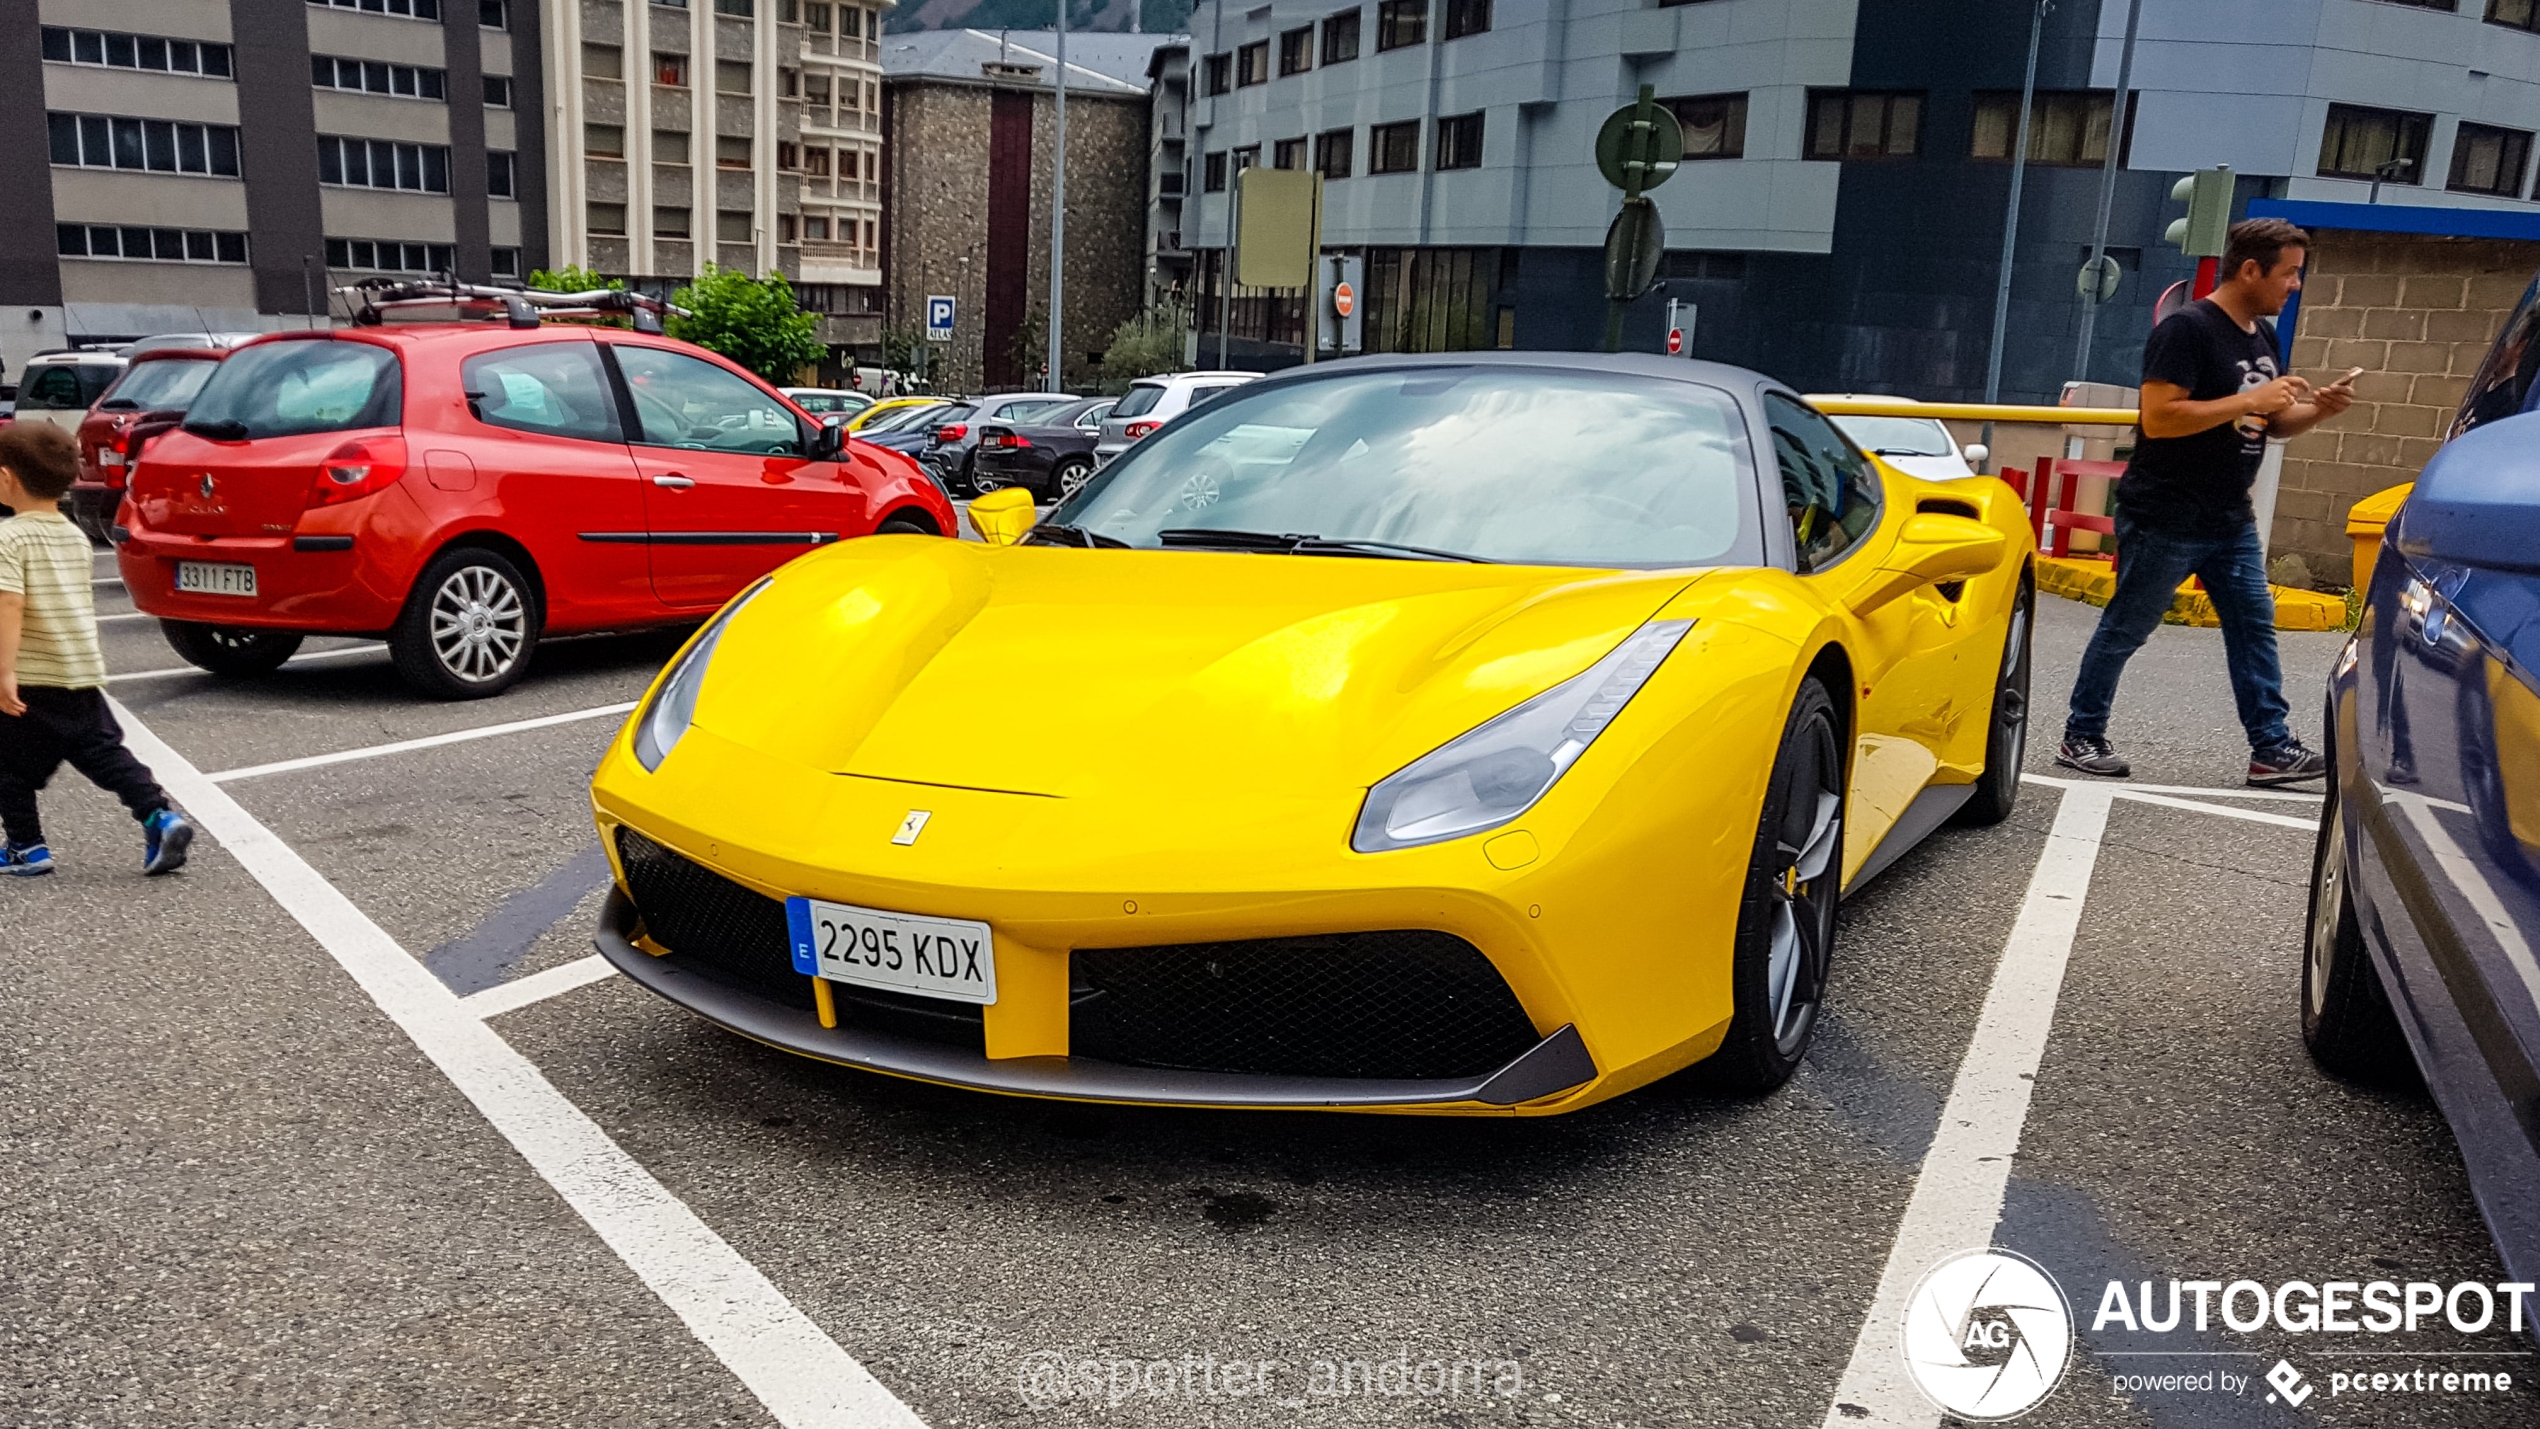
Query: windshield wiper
x,y
1075,536
1298,543
1902,451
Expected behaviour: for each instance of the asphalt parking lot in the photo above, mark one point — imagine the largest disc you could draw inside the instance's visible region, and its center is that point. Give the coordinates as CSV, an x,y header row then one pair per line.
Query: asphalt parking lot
x,y
241,1186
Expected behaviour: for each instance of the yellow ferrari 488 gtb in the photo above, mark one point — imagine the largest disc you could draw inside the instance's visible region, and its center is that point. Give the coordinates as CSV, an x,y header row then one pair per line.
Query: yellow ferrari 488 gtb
x,y
1481,733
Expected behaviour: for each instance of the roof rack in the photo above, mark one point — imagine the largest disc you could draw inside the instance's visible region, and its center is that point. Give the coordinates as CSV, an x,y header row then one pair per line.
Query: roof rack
x,y
373,300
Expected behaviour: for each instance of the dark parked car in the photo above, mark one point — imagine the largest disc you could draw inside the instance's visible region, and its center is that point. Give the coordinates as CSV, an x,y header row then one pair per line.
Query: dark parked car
x,y
2424,940
912,436
1053,454
956,439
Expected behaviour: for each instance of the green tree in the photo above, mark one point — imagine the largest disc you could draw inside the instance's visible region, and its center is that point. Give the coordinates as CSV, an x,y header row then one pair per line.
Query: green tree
x,y
1145,345
570,279
753,321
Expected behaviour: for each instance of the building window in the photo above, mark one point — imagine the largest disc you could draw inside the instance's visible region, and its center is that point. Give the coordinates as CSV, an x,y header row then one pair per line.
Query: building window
x,y
2521,14
1864,124
407,9
670,222
153,245
1288,154
1216,74
608,218
122,51
1252,64
377,77
1212,173
1333,158
1393,148
100,141
1247,157
670,146
2387,144
378,255
741,8
1459,141
2488,160
498,173
380,164
815,228
603,62
1714,125
498,91
731,77
2065,126
1400,23
604,141
785,228
671,70
494,14
1296,51
732,225
1466,17
1340,38
731,151
507,263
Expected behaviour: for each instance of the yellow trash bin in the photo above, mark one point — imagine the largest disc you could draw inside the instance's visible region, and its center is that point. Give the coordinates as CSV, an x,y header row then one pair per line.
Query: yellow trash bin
x,y
2364,524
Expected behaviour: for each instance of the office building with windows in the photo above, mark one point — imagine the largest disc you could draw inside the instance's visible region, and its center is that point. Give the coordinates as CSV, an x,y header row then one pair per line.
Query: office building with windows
x,y
1838,213
222,163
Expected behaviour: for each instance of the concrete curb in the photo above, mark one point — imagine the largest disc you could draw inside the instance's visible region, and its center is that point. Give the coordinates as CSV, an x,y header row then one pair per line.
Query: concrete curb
x,y
2093,582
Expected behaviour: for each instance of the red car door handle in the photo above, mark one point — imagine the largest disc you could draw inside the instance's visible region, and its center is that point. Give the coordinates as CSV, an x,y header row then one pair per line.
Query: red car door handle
x,y
674,481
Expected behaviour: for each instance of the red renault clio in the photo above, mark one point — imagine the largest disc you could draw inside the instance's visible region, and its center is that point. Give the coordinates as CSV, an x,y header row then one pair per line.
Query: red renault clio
x,y
463,487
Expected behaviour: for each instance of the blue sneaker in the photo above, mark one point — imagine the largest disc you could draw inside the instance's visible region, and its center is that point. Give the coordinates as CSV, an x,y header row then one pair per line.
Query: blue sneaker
x,y
166,835
25,862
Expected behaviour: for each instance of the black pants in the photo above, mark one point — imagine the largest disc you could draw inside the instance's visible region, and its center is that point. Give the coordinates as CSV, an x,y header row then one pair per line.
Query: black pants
x,y
73,726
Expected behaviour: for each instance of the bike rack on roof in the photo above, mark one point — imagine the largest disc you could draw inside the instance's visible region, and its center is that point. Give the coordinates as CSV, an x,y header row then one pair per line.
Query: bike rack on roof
x,y
373,300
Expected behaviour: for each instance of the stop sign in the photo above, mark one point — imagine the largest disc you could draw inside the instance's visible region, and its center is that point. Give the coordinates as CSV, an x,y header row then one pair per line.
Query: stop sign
x,y
1675,341
1344,298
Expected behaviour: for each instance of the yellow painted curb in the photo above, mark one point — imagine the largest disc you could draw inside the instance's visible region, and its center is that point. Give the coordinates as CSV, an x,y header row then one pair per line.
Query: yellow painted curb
x,y
2092,583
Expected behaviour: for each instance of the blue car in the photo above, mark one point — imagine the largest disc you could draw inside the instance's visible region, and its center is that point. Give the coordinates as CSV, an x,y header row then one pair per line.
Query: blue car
x,y
2424,940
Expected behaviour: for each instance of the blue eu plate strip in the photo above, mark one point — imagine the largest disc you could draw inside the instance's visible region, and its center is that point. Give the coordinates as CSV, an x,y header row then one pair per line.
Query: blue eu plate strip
x,y
798,933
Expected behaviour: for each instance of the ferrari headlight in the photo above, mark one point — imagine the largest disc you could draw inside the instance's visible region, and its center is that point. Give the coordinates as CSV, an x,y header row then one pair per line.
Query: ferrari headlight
x,y
1489,776
675,706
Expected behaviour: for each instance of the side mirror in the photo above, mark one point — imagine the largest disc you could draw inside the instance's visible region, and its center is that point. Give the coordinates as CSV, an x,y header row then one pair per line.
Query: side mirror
x,y
1933,549
1002,517
829,442
2477,503
1976,453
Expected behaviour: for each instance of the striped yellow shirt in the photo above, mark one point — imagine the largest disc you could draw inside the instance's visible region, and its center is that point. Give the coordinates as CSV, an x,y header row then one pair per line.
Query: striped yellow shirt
x,y
44,558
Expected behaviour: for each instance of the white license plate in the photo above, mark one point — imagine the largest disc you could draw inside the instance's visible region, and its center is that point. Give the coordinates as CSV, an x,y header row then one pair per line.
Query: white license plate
x,y
215,578
952,958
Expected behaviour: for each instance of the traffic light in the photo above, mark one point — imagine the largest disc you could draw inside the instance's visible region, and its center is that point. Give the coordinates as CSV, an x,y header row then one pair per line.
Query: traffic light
x,y
2207,194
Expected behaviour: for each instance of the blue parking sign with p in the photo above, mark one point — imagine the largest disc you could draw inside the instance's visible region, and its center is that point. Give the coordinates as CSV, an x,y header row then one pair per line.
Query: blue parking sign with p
x,y
939,319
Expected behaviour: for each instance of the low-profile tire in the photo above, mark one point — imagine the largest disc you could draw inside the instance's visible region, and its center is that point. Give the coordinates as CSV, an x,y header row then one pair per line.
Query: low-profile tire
x,y
469,626
1069,477
985,484
905,524
1787,915
230,649
2006,740
2346,1019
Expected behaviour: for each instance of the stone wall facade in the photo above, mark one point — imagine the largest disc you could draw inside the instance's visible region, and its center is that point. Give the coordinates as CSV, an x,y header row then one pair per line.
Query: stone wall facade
x,y
936,142
2417,313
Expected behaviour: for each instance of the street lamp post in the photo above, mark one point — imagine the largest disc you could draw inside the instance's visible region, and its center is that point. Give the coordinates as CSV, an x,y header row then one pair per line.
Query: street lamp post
x,y
2107,188
2011,223
1058,219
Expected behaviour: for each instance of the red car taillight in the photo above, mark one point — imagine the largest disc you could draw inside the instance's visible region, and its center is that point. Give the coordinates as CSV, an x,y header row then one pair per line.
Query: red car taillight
x,y
1135,430
356,469
952,433
1008,439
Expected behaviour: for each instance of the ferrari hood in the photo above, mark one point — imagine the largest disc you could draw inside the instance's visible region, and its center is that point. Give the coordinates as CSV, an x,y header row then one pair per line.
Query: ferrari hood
x,y
1084,673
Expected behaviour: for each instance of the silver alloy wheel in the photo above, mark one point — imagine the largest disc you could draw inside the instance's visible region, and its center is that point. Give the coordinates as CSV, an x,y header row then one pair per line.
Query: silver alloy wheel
x,y
1072,478
1789,948
480,624
2327,906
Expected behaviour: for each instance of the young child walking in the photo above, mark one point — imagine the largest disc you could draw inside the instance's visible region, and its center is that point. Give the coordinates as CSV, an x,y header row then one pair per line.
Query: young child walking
x,y
52,675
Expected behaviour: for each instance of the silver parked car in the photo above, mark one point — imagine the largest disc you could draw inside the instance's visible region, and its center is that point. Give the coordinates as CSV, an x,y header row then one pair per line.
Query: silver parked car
x,y
1153,401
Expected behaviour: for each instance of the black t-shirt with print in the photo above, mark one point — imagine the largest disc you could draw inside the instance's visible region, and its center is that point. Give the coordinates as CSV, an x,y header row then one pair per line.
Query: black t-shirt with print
x,y
2198,486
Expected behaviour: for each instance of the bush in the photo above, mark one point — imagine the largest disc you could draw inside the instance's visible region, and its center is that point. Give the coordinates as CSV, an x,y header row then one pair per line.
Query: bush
x,y
1145,345
571,280
753,321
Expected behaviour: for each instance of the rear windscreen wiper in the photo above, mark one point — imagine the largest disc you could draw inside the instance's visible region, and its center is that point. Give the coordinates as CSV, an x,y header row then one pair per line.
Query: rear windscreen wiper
x,y
1306,544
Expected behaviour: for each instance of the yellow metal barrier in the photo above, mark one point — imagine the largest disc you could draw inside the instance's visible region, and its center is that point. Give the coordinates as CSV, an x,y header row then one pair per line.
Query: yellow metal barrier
x,y
1971,411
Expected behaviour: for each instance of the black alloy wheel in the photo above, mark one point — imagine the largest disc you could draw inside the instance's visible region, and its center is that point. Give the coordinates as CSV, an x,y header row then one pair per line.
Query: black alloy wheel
x,y
1786,920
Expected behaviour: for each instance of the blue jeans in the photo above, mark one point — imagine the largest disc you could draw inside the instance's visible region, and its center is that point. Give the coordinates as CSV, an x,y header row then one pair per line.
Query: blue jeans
x,y
2149,569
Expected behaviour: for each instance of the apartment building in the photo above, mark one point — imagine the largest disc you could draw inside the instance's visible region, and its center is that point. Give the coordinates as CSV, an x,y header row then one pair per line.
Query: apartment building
x,y
1168,171
841,174
223,163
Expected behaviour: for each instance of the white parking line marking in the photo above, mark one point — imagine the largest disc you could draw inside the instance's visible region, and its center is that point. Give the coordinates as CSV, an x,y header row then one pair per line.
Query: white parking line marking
x,y
800,1374
538,987
2137,796
405,746
337,654
2207,791
1957,1198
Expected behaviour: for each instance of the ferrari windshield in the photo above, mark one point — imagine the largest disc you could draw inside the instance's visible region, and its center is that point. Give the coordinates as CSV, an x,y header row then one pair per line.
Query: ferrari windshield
x,y
1499,463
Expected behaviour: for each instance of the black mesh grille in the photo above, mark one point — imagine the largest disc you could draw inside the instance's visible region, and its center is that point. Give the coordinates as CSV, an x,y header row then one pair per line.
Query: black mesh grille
x,y
727,932
1394,1004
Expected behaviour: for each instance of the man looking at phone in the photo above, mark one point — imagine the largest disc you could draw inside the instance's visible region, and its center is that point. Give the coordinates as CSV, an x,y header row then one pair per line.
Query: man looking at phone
x,y
2212,396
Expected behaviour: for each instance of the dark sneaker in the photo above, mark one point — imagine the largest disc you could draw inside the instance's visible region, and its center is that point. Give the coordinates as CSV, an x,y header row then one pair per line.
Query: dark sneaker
x,y
26,862
2290,764
165,837
2092,755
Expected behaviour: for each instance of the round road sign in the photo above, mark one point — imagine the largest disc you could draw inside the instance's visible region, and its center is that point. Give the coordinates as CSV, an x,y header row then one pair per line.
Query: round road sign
x,y
1675,341
1665,146
1344,298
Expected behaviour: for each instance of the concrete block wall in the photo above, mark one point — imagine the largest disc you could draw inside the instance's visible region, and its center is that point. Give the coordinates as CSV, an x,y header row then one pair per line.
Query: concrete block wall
x,y
2417,313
